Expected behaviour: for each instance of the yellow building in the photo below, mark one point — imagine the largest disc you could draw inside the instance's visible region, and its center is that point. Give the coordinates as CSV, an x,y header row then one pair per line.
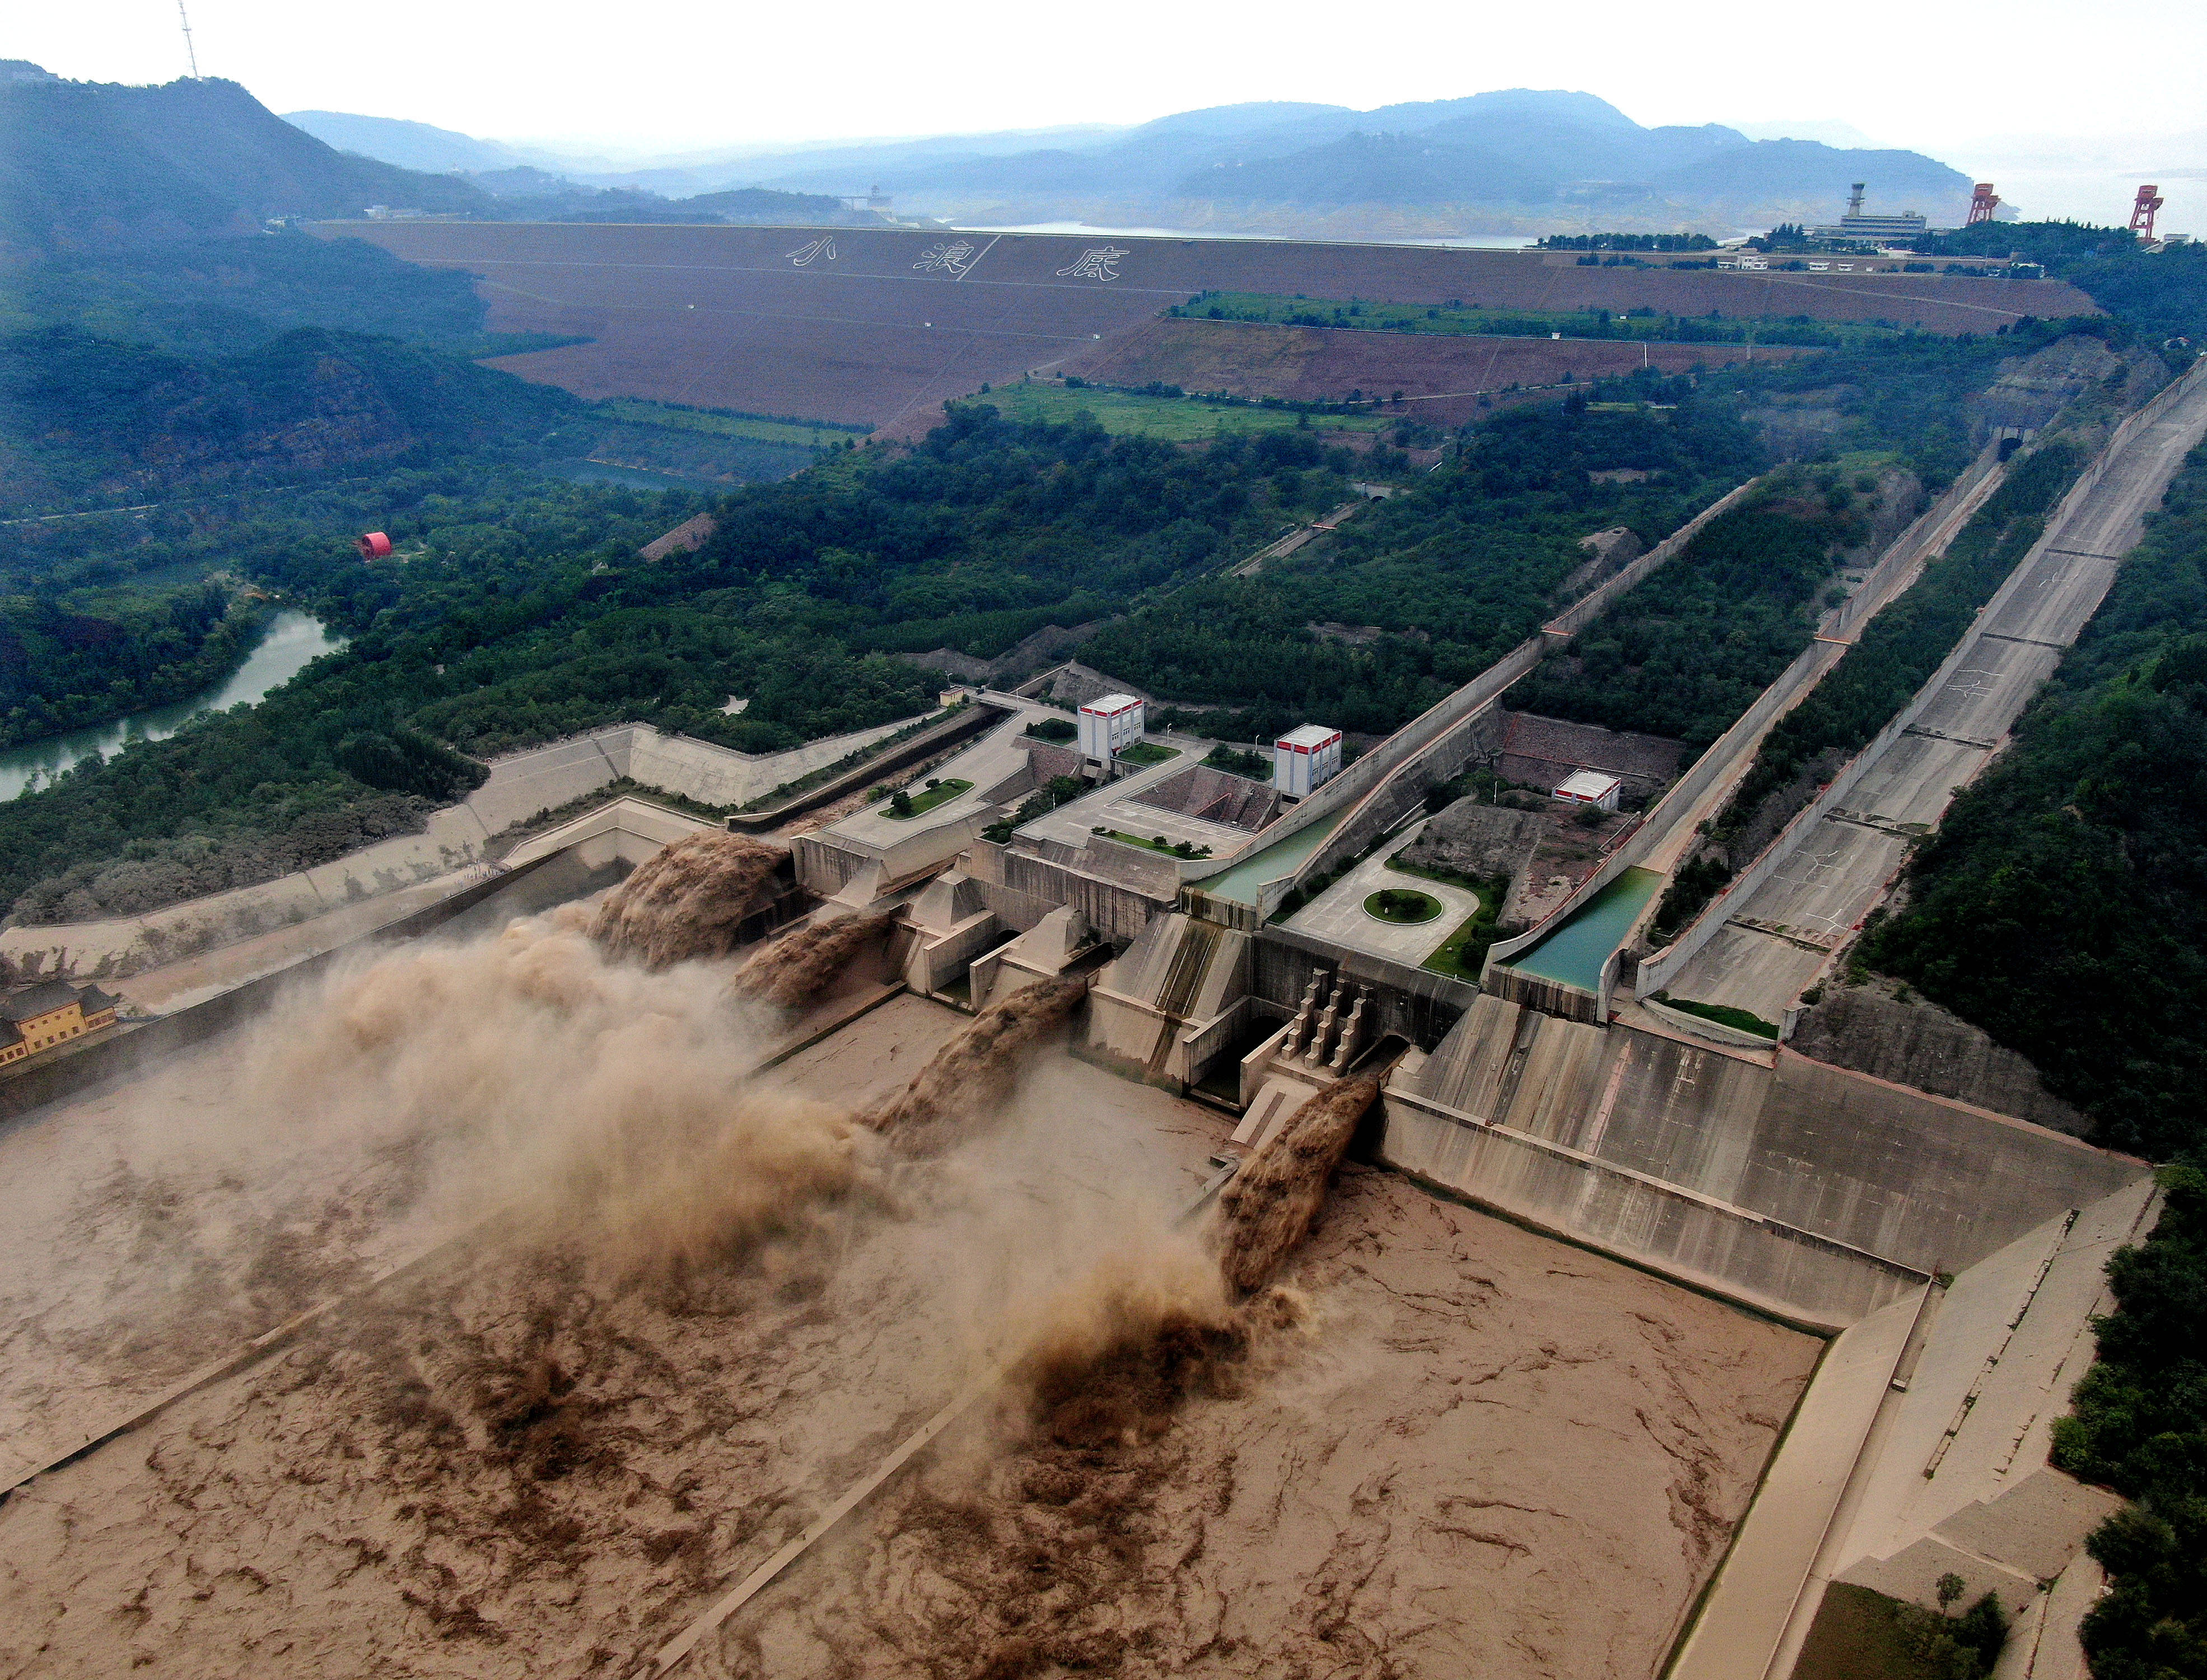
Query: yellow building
x,y
51,1013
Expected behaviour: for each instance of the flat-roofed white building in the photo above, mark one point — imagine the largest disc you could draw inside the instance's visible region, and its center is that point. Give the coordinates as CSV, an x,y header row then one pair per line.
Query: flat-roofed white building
x,y
1304,758
1110,725
1590,787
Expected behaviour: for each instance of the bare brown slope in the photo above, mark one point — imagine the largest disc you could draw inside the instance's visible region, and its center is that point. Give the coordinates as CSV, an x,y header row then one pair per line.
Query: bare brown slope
x,y
895,322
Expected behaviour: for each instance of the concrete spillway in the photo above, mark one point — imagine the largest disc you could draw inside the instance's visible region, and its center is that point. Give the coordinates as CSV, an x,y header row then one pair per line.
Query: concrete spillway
x,y
1817,1192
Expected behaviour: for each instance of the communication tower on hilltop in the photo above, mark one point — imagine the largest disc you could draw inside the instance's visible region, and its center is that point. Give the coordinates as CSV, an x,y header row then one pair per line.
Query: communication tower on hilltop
x,y
191,52
1983,200
2149,200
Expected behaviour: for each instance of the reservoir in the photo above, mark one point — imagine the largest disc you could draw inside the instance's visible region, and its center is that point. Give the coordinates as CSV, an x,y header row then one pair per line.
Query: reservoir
x,y
291,640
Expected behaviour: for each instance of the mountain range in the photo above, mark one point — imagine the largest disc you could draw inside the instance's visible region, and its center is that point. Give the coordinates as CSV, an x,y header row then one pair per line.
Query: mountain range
x,y
95,170
1515,161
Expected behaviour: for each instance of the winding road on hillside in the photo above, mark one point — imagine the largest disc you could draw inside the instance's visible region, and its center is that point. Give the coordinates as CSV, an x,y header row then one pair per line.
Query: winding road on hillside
x,y
1830,868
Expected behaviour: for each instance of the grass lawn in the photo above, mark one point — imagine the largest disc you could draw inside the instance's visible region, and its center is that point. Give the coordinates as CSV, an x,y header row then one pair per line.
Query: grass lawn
x,y
928,798
1471,317
1463,953
1147,752
812,434
1405,907
1724,1014
1155,843
1127,413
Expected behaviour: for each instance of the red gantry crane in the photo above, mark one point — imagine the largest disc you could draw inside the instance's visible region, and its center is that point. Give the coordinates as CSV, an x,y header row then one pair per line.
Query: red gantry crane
x,y
2149,200
1983,200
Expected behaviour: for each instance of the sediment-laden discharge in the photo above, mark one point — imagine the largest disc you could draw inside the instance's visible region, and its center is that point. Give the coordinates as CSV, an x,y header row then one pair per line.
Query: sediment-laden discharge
x,y
1269,1205
688,902
371,1115
1455,1447
1433,1445
975,1069
795,967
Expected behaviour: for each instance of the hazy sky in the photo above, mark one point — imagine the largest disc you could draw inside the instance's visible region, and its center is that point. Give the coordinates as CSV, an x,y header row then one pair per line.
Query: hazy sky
x,y
1932,74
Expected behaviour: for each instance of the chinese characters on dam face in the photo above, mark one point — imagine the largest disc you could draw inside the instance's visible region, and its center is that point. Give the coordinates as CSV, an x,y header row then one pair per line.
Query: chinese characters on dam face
x,y
952,257
955,257
1100,263
818,248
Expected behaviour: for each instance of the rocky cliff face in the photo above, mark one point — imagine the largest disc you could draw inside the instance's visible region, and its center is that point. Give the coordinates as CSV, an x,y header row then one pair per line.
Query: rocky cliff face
x,y
1477,840
1913,1042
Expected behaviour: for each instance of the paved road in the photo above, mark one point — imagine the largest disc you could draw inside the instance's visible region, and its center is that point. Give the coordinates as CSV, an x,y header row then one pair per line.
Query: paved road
x,y
1774,942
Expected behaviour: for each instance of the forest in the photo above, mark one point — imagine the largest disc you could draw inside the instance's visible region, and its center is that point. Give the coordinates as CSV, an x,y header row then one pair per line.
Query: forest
x,y
1893,656
1451,575
516,610
1685,652
2060,904
94,654
2139,1427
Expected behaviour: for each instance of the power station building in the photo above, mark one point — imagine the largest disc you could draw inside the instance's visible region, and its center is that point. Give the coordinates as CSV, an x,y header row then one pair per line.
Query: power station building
x,y
1305,759
1110,724
1874,230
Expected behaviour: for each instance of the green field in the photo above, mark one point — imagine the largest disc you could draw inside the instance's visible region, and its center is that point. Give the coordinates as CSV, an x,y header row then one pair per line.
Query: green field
x,y
757,428
928,798
1146,752
1460,317
1155,843
1403,906
1133,413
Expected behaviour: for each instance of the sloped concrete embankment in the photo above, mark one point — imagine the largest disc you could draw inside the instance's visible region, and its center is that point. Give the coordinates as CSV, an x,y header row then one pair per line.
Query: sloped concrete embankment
x,y
454,840
1920,1451
1813,1191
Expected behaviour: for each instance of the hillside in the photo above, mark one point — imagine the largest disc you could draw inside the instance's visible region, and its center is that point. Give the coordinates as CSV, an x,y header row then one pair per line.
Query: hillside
x,y
89,167
87,419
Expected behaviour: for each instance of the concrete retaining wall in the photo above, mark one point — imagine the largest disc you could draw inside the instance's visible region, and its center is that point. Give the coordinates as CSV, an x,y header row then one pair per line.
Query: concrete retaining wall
x,y
1723,759
630,831
520,785
1414,1003
1117,913
1536,991
1444,734
1589,608
131,1050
